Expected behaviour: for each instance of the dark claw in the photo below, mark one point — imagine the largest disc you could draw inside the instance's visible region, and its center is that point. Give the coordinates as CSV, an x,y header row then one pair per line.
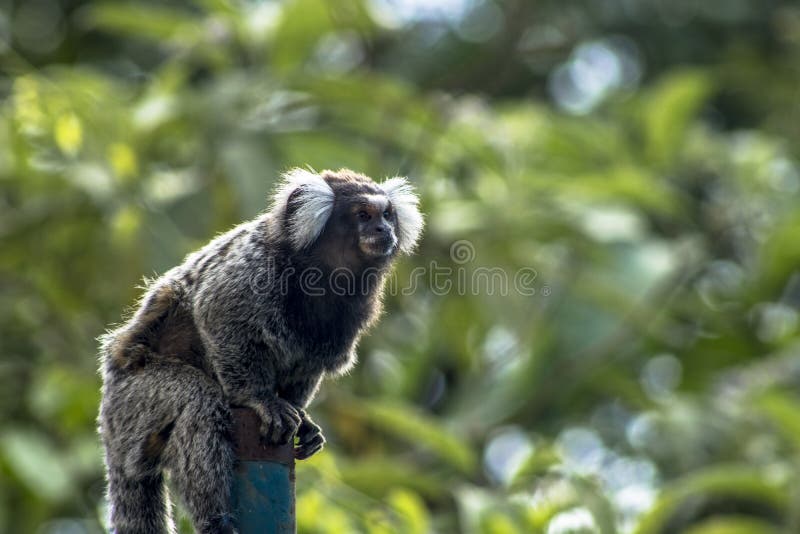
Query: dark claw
x,y
310,439
308,449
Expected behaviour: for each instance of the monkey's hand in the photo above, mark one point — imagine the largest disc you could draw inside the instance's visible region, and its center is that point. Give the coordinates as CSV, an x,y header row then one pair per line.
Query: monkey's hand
x,y
279,420
309,436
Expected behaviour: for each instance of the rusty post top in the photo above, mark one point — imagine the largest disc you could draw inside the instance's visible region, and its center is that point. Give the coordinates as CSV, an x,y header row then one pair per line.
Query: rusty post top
x,y
249,445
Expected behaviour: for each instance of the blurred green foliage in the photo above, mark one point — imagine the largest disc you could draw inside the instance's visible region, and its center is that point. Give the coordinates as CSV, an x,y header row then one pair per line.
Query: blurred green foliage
x,y
634,163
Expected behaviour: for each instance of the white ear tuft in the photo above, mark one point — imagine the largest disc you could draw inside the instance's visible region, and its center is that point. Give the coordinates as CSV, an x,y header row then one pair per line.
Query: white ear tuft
x,y
409,219
314,205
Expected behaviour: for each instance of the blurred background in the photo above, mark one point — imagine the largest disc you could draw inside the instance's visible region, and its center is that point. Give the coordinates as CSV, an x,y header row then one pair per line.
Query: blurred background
x,y
628,167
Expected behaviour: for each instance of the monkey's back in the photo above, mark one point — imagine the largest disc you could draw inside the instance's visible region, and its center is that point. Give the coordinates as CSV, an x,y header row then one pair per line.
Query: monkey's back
x,y
163,326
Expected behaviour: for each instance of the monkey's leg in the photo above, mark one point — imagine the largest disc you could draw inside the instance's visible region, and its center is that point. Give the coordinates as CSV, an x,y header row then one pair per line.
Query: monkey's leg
x,y
200,456
138,505
167,415
246,372
134,425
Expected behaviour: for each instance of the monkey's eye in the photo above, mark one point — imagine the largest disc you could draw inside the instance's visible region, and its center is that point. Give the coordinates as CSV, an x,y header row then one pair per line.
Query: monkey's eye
x,y
363,215
387,213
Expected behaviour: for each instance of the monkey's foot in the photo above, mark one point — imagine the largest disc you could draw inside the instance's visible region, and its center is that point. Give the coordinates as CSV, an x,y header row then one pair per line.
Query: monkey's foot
x,y
310,438
279,420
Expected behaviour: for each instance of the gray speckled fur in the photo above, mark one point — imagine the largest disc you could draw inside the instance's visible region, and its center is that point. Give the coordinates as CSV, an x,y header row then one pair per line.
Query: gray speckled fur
x,y
225,329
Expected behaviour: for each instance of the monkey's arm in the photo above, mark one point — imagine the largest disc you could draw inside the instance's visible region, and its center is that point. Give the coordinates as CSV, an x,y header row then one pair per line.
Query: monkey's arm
x,y
245,369
301,390
230,314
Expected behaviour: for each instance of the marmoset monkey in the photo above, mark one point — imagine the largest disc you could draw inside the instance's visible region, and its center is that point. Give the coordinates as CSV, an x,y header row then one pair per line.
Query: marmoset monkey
x,y
255,318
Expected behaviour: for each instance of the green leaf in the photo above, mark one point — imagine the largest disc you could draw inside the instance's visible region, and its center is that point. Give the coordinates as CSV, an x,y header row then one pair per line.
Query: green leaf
x,y
149,21
670,108
37,463
732,481
408,424
734,525
537,464
782,409
380,476
411,509
304,22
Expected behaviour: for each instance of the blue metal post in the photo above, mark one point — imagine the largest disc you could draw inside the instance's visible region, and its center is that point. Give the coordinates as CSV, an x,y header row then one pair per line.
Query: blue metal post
x,y
263,486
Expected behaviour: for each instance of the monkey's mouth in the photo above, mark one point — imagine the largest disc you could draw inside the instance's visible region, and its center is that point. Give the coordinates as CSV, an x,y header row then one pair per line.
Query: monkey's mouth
x,y
378,245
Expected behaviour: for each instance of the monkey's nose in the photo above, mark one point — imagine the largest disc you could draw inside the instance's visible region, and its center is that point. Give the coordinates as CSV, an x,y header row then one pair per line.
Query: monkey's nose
x,y
380,228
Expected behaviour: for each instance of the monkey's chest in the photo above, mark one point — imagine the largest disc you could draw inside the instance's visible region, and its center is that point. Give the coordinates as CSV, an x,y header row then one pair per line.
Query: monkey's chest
x,y
326,329
326,353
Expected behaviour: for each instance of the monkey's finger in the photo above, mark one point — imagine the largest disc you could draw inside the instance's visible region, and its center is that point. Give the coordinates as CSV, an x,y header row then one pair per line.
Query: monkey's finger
x,y
307,436
287,433
292,414
308,428
266,427
291,430
287,436
276,431
311,441
306,450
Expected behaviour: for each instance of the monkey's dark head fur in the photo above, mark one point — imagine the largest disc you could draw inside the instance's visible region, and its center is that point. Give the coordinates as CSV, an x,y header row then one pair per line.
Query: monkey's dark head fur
x,y
345,220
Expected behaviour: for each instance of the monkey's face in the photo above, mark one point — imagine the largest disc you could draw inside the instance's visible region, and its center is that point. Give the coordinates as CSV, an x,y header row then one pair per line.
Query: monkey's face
x,y
375,222
345,219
